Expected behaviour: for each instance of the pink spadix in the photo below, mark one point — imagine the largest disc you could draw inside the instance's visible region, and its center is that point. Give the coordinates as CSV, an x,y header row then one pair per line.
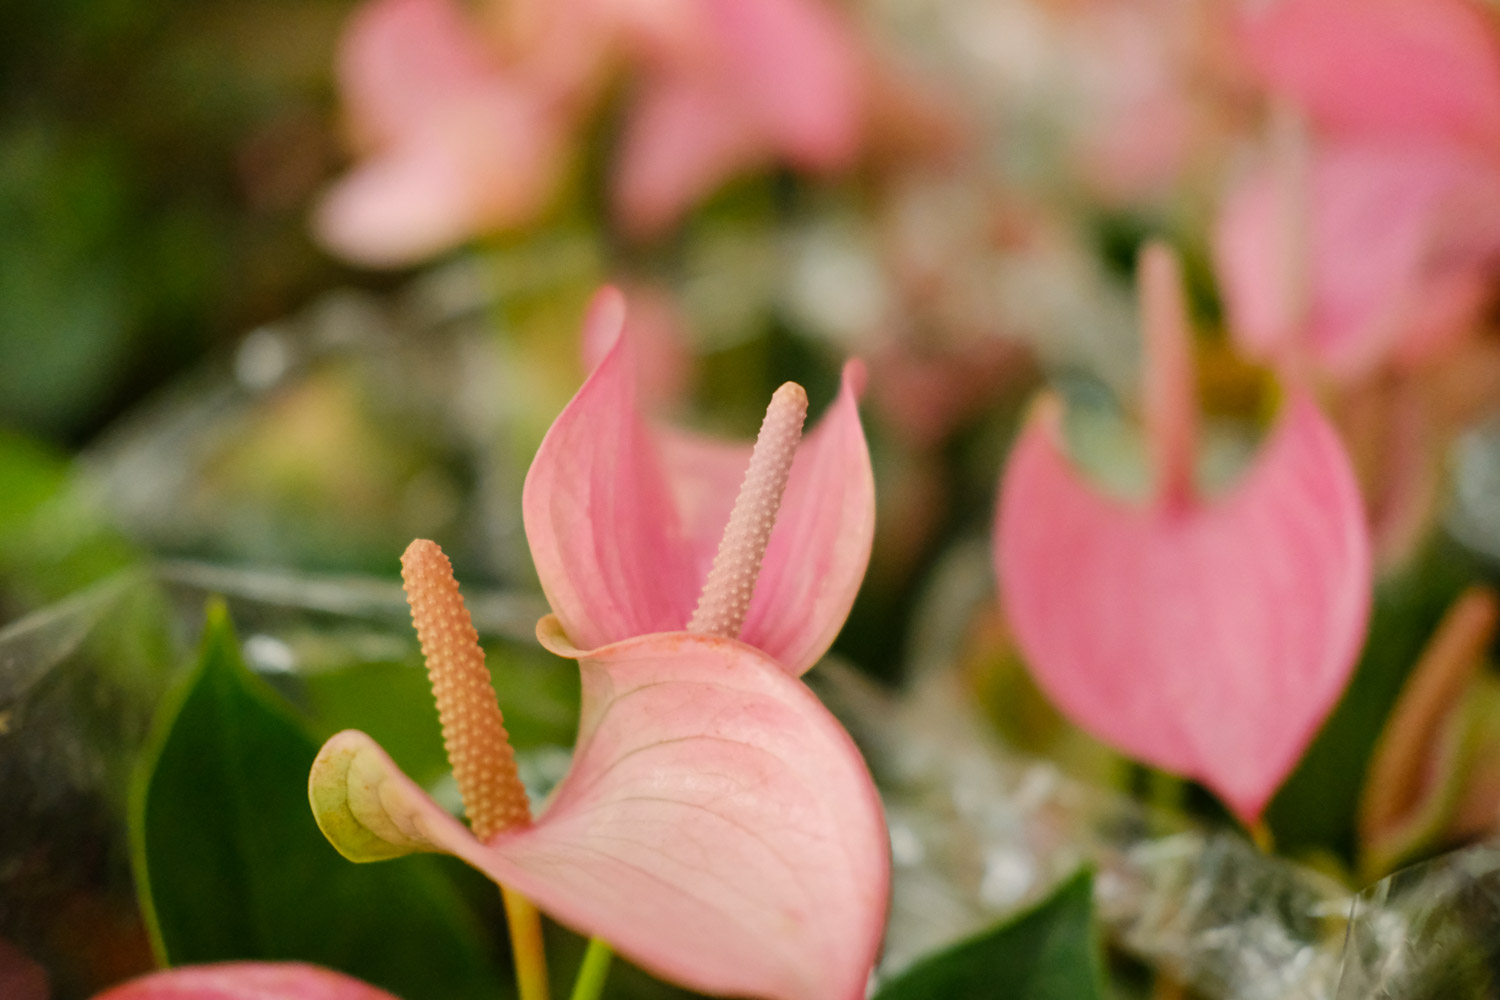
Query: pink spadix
x,y
1207,636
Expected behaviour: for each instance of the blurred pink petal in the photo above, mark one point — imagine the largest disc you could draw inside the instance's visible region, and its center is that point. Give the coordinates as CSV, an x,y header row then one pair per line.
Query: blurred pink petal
x,y
20,977
246,981
624,521
1206,637
455,145
401,60
1407,67
742,83
718,827
683,139
797,67
1401,244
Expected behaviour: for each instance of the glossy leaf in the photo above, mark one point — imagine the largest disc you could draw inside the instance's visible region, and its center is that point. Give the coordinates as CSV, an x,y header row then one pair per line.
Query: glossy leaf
x,y
1051,952
231,867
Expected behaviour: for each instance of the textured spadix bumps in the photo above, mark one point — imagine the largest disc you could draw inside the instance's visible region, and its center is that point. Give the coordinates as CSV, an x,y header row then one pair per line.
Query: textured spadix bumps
x,y
1209,637
624,519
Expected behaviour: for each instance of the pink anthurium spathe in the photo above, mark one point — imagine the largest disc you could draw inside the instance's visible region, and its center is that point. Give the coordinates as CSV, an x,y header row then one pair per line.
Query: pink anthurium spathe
x,y
624,519
717,825
246,981
1207,636
1394,253
1375,237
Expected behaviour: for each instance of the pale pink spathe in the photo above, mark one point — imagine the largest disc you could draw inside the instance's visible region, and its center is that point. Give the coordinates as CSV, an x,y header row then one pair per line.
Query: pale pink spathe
x,y
246,981
623,520
717,827
1209,637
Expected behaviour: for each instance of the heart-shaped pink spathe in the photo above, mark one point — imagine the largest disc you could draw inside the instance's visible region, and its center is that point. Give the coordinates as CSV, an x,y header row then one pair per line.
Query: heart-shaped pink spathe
x,y
717,825
246,981
1208,637
624,519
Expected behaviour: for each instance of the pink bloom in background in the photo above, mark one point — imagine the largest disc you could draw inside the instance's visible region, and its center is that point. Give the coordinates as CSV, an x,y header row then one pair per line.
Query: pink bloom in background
x,y
745,83
464,125
246,981
717,825
455,143
1378,239
1209,637
624,519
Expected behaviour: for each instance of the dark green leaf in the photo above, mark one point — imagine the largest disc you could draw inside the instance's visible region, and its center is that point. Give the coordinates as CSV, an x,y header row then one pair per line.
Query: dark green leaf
x,y
230,864
1048,953
1315,809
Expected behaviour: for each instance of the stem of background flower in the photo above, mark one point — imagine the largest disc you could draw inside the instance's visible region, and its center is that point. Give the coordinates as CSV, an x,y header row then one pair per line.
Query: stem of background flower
x,y
526,945
593,971
1260,836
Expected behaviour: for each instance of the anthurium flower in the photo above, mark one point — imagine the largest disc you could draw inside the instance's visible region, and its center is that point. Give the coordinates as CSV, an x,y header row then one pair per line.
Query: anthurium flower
x,y
717,826
624,519
1209,636
246,981
1378,239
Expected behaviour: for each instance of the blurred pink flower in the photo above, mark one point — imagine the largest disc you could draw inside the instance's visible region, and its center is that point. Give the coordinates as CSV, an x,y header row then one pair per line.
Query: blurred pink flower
x,y
246,981
465,124
1209,637
744,83
624,519
455,143
1378,238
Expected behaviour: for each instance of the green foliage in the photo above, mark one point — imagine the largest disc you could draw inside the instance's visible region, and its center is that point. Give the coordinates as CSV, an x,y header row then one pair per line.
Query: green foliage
x,y
53,541
230,865
1051,952
1316,808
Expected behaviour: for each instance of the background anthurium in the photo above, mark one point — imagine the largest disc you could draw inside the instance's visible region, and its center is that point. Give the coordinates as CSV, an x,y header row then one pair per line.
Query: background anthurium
x,y
1376,239
456,143
624,519
1209,637
717,826
246,981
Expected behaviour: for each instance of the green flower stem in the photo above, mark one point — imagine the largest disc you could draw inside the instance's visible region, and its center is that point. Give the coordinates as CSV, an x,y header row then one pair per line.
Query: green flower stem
x,y
593,971
526,945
